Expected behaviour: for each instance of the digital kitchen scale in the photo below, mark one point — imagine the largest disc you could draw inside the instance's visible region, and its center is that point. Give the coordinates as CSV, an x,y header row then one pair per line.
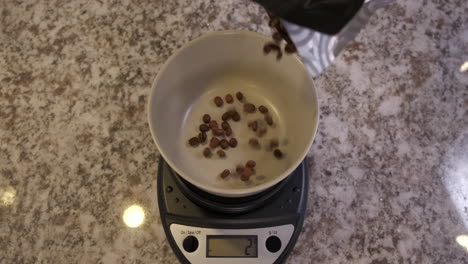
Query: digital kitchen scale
x,y
205,228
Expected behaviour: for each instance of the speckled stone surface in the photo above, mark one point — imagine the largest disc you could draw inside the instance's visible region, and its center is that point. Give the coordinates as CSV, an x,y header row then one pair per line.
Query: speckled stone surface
x,y
389,181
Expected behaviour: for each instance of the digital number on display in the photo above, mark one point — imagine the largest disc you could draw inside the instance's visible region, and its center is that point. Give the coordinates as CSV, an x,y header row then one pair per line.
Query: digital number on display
x,y
223,246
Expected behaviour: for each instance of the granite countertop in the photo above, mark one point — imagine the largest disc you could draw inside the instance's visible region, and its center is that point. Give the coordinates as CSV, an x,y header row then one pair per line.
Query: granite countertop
x,y
389,166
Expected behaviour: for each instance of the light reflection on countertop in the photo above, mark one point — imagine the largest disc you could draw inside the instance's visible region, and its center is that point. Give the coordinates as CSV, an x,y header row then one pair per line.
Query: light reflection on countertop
x,y
7,195
462,240
464,67
455,171
134,216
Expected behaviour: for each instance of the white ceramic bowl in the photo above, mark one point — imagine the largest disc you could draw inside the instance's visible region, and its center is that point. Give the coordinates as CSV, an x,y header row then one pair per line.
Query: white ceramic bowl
x,y
225,62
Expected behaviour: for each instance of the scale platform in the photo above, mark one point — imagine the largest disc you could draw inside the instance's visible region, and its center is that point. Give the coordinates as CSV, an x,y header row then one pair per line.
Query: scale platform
x,y
209,229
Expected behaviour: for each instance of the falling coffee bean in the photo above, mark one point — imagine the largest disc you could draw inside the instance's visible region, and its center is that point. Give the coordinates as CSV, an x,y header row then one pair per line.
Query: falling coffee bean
x,y
225,125
202,137
224,144
229,99
204,128
253,125
236,117
218,132
263,109
207,152
246,173
206,118
221,153
279,55
213,124
214,142
254,143
277,37
239,96
249,108
226,116
228,132
233,142
218,101
274,143
225,173
290,48
194,141
240,169
269,120
251,164
278,154
270,47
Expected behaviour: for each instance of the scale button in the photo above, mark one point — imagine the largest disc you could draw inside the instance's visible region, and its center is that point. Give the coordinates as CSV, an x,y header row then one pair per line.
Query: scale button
x,y
273,244
190,244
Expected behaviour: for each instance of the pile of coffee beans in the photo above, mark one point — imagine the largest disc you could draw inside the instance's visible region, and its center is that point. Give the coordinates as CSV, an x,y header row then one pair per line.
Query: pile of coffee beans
x,y
222,136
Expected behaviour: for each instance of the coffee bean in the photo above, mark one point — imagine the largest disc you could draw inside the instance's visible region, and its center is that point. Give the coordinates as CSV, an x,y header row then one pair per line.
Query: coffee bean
x,y
233,142
269,120
214,142
218,101
224,144
263,109
221,153
232,112
229,99
225,173
267,48
236,117
246,173
251,164
278,154
253,125
206,118
226,116
207,152
279,55
225,125
194,141
213,124
277,37
274,143
204,128
274,21
218,132
228,132
290,48
254,143
202,137
240,169
249,108
239,96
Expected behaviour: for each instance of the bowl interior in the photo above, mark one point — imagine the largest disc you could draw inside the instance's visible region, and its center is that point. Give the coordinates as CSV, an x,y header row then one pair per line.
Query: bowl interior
x,y
227,62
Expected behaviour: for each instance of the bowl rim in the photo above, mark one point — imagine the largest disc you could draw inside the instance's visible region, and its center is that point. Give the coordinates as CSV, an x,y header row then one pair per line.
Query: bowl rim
x,y
213,189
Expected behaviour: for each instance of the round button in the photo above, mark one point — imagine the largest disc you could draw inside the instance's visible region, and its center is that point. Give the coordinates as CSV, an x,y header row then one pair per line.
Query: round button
x,y
273,244
190,244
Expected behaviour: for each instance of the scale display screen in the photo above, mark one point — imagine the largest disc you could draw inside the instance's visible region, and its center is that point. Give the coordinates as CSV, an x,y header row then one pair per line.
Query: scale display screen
x,y
224,246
